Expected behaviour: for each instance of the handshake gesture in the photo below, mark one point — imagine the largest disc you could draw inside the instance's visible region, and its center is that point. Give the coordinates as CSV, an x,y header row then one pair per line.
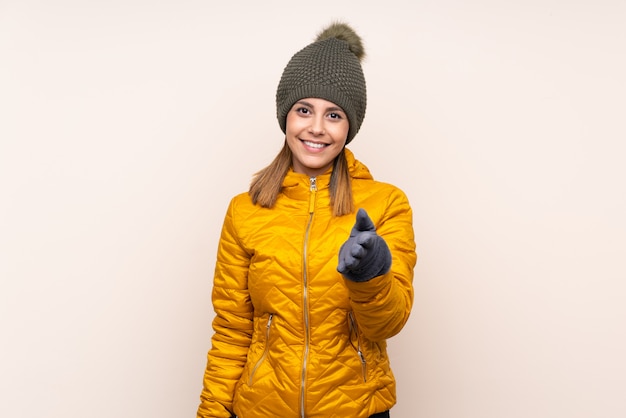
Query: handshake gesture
x,y
365,254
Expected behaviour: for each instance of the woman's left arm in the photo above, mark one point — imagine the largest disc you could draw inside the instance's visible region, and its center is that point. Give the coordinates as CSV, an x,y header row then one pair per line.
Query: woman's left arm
x,y
382,305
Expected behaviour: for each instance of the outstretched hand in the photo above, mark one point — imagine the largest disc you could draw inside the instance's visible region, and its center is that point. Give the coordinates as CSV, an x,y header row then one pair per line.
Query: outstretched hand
x,y
365,254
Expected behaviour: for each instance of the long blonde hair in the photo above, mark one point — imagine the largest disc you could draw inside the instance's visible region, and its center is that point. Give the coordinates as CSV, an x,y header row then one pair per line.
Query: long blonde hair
x,y
267,183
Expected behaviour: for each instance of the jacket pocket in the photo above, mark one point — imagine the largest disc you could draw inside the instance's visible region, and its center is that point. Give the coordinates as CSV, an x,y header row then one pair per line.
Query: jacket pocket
x,y
355,342
261,359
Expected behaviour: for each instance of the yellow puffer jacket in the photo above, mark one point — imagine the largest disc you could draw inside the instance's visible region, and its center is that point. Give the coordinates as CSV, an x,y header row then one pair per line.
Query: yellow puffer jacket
x,y
293,338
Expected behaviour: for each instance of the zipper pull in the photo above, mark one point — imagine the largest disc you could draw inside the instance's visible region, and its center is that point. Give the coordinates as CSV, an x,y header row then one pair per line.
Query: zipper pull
x,y
313,189
363,365
361,356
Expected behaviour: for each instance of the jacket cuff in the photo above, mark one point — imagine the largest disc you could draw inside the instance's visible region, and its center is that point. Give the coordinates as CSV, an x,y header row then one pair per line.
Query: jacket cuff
x,y
364,292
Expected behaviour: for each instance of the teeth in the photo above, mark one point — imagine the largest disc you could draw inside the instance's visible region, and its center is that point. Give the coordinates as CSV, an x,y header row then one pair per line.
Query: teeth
x,y
313,144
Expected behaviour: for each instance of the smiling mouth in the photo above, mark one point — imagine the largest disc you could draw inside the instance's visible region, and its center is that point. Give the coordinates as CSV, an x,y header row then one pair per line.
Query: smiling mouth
x,y
317,145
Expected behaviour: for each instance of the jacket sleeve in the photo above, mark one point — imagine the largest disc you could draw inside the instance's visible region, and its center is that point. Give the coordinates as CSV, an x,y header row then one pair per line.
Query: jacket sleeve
x,y
382,305
232,324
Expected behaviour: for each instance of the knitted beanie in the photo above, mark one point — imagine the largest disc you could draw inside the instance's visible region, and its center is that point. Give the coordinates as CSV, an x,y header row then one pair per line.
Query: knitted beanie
x,y
330,69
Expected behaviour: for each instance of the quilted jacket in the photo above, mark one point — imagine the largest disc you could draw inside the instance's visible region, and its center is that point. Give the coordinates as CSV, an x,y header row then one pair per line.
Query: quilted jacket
x,y
292,337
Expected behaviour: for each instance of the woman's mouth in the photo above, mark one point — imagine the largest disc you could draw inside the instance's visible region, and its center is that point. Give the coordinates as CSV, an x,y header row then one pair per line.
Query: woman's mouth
x,y
316,145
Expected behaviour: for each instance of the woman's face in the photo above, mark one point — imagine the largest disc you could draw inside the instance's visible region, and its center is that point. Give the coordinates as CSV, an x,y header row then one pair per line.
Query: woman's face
x,y
316,133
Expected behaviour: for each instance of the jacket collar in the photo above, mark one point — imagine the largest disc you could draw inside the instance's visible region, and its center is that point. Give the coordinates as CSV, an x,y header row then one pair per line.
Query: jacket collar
x,y
298,185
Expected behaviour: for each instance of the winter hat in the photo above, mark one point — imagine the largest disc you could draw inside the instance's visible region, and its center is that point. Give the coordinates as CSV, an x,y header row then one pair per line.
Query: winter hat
x,y
330,69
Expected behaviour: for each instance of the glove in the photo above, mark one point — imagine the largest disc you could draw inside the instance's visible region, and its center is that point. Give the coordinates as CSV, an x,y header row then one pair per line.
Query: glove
x,y
365,254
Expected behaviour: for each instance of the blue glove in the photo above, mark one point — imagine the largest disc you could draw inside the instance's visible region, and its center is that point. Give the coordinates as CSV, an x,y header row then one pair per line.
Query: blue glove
x,y
365,254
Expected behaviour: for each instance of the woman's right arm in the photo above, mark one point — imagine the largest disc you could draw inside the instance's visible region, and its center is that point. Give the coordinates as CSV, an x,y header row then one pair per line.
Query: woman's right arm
x,y
232,325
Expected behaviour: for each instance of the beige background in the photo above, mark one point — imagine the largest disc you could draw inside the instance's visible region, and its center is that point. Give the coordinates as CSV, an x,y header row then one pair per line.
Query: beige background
x,y
126,126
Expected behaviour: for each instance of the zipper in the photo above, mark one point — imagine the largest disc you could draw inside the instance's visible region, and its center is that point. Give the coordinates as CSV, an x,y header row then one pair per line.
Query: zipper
x,y
266,349
354,328
305,293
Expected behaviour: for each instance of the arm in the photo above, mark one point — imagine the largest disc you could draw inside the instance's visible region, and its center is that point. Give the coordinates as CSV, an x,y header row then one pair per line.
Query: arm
x,y
232,324
382,303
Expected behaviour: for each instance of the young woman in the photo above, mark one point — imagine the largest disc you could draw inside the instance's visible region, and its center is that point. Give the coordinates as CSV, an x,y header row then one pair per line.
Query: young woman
x,y
315,262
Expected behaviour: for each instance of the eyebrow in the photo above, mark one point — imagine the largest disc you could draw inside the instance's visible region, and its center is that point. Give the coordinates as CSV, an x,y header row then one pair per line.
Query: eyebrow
x,y
328,109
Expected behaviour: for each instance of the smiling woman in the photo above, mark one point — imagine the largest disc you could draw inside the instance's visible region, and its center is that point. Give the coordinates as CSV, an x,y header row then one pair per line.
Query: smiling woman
x,y
316,133
307,288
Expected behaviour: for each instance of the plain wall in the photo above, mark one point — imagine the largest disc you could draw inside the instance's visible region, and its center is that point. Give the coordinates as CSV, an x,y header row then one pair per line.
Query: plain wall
x,y
127,125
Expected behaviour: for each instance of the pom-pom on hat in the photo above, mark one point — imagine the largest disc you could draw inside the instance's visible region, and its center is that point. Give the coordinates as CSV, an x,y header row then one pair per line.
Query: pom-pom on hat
x,y
330,69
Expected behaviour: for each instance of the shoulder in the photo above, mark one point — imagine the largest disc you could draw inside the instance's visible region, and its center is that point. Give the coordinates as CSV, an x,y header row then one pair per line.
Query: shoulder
x,y
241,200
239,205
382,191
242,207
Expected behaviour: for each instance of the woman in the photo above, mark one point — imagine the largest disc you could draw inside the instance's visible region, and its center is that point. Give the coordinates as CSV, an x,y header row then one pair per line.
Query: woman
x,y
315,263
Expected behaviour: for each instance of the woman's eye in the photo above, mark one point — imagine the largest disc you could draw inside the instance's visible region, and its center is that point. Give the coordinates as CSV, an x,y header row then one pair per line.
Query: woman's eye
x,y
335,116
303,110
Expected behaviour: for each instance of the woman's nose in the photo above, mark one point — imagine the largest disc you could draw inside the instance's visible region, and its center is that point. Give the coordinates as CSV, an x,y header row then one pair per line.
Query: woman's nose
x,y
317,126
